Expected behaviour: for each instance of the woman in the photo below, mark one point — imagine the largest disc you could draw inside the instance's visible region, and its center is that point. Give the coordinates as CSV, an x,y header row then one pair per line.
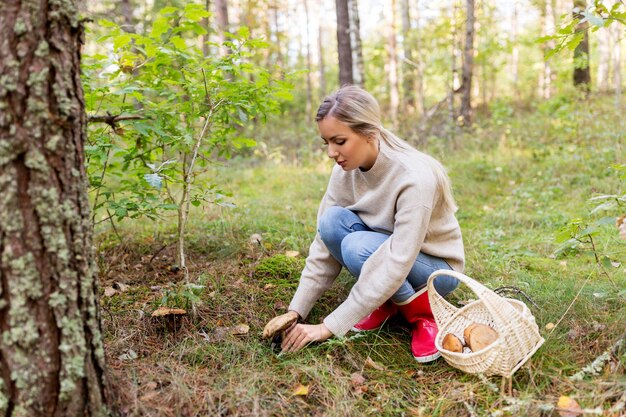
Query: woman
x,y
388,217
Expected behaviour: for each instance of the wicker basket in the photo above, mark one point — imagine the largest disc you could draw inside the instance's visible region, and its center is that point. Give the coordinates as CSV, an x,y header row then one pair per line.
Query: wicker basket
x,y
518,334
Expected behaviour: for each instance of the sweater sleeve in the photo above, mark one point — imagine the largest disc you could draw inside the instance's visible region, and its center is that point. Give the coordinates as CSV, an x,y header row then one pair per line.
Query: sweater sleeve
x,y
387,268
320,269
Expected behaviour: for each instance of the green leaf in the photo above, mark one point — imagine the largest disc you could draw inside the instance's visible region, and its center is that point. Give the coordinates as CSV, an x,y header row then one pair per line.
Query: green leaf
x,y
178,42
159,27
195,12
106,23
121,41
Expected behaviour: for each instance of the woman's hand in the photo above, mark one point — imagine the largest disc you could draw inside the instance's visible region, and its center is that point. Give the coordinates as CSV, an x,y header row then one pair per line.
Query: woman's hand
x,y
280,323
300,335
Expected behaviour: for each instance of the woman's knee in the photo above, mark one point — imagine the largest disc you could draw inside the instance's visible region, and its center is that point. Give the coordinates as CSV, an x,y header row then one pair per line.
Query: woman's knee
x,y
445,284
329,221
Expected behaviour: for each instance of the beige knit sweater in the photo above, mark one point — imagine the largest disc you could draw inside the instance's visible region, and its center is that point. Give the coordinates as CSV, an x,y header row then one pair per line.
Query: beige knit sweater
x,y
397,196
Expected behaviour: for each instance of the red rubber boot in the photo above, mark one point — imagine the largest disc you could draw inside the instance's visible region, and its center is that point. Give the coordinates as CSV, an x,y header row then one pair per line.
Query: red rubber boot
x,y
377,318
416,310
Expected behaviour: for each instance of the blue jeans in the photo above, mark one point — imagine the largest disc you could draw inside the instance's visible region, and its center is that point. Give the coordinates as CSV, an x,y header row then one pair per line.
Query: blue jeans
x,y
351,242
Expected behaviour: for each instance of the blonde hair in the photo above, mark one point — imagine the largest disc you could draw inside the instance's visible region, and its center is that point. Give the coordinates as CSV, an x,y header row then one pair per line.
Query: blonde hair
x,y
360,111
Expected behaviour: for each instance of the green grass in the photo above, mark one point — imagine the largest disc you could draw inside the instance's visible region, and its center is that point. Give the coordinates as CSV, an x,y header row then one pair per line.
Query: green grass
x,y
517,182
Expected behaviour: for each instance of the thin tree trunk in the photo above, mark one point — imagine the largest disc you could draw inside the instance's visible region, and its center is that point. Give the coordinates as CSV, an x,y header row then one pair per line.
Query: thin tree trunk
x,y
468,65
127,13
454,81
320,47
618,30
515,49
392,61
358,70
223,23
582,74
51,352
545,77
309,93
408,68
421,98
206,23
344,47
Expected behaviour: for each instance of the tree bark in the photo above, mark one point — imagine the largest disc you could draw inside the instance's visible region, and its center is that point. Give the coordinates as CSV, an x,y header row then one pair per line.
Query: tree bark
x,y
548,28
309,87
51,349
392,61
206,23
358,70
582,74
223,23
468,65
408,73
617,30
320,56
344,47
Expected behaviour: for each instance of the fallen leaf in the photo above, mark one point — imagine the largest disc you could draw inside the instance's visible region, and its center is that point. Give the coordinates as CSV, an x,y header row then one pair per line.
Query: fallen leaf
x,y
357,379
151,385
568,407
240,329
550,326
268,286
301,390
292,253
369,362
121,287
109,292
128,356
166,311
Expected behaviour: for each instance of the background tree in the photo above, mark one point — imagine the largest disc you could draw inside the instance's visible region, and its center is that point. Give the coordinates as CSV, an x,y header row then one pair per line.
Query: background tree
x,y
582,73
468,64
344,46
358,70
51,349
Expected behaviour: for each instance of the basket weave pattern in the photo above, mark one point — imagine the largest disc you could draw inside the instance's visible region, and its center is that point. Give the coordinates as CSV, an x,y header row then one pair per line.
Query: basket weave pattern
x,y
518,334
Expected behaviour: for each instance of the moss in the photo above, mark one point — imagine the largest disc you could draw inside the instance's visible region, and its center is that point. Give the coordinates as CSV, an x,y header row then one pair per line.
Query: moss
x,y
20,27
42,49
4,401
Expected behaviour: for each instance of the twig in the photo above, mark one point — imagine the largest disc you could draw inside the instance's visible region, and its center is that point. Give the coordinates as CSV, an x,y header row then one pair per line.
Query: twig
x,y
515,290
112,120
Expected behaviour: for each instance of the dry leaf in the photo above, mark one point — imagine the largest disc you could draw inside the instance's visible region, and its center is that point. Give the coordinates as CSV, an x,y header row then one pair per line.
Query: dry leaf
x,y
109,292
149,396
568,407
550,326
121,287
301,390
240,329
369,362
292,253
151,386
357,379
166,311
268,286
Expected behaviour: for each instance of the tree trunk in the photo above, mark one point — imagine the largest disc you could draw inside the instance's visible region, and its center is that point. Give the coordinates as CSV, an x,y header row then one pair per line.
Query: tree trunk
x,y
617,30
358,70
408,73
582,74
206,23
421,99
515,50
309,87
344,47
51,349
604,58
468,65
221,13
127,14
320,47
545,77
392,61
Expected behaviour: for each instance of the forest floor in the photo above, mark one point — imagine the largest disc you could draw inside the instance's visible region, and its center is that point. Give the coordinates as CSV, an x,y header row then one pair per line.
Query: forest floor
x,y
521,180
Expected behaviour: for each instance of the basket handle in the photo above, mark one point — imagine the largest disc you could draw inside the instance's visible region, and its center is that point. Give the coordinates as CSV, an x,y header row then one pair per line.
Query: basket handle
x,y
494,303
442,309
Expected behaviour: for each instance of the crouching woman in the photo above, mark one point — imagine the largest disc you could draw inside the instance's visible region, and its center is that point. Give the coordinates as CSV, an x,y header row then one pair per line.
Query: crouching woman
x,y
388,217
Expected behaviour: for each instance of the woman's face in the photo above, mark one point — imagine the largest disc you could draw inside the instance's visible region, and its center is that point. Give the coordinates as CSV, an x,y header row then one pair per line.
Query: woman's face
x,y
349,149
